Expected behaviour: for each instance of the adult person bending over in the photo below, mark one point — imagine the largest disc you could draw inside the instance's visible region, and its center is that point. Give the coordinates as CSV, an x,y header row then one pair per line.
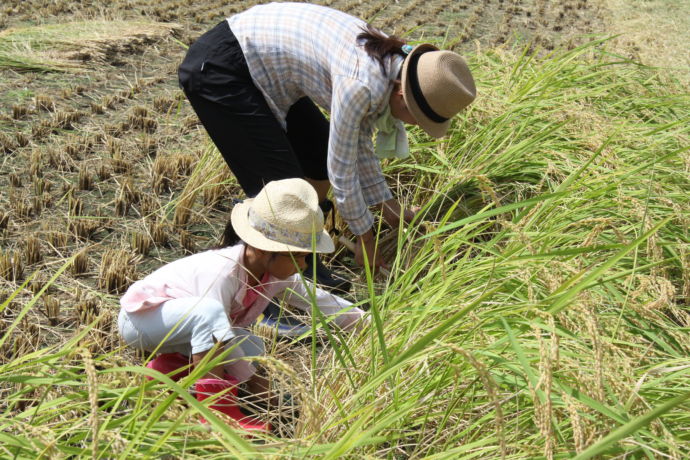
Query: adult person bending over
x,y
255,81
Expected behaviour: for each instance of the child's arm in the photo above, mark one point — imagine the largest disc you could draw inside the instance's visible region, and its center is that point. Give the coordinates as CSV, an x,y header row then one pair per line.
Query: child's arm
x,y
345,315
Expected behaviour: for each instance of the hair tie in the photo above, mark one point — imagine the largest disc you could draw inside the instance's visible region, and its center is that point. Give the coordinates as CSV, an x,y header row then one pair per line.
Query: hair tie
x,y
407,48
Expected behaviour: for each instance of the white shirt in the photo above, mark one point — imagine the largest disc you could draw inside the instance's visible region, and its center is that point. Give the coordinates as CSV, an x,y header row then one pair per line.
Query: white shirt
x,y
219,274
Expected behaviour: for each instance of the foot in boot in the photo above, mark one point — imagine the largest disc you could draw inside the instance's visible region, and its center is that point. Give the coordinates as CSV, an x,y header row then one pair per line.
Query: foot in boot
x,y
175,365
227,402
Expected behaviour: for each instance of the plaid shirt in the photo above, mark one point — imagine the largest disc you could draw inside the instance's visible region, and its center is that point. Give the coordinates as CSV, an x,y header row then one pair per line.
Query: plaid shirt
x,y
299,49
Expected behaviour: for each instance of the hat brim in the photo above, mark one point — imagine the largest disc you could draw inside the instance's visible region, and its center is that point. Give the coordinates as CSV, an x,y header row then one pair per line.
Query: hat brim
x,y
240,222
432,128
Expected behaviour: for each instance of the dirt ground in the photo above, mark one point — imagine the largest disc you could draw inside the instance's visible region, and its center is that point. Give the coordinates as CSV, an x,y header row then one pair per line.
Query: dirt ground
x,y
94,162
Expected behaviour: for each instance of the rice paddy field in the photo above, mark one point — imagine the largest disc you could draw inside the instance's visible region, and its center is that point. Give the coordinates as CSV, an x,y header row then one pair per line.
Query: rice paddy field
x,y
538,308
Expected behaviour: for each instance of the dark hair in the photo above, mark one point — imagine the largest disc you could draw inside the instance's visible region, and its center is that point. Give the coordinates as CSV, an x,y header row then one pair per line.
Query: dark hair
x,y
379,46
229,237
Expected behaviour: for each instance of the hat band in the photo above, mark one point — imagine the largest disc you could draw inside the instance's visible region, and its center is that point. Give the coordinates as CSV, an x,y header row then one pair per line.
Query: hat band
x,y
417,91
278,234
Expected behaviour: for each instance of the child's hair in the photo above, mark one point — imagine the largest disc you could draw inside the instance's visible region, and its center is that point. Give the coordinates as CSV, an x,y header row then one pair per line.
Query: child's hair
x,y
229,237
379,46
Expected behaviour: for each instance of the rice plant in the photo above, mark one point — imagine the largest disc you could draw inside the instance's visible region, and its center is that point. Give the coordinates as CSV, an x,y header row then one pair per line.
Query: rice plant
x,y
538,309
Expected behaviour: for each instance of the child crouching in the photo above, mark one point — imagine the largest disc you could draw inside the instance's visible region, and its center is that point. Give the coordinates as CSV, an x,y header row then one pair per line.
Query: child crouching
x,y
190,304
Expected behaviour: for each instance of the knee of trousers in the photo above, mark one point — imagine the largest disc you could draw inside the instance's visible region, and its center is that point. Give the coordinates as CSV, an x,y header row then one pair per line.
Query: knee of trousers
x,y
209,323
209,315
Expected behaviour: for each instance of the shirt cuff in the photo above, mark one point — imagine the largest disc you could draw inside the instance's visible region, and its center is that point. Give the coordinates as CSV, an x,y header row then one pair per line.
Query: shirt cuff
x,y
349,319
377,193
361,224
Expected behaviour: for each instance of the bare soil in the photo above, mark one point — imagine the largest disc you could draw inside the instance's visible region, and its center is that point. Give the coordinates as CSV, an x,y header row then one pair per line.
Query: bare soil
x,y
93,162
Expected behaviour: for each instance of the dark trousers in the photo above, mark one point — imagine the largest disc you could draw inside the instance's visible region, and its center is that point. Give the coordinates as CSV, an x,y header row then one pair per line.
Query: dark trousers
x,y
216,80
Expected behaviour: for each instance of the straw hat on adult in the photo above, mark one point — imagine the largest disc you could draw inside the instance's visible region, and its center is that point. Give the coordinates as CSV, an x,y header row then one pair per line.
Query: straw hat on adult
x,y
284,216
436,85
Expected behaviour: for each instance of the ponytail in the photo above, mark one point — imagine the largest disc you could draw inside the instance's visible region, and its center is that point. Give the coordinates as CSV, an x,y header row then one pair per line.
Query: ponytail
x,y
379,46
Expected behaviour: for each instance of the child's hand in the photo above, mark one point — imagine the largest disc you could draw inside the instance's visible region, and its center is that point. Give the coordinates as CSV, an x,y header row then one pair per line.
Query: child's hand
x,y
361,324
354,321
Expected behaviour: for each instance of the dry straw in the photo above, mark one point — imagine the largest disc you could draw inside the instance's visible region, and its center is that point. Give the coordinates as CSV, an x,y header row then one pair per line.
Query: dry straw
x,y
66,47
543,199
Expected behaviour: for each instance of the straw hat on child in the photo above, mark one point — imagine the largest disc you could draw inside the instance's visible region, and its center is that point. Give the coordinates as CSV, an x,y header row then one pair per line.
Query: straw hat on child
x,y
284,216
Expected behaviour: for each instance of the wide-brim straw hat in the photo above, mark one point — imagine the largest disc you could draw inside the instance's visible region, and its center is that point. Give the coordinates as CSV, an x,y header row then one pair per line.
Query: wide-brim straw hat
x,y
284,216
436,86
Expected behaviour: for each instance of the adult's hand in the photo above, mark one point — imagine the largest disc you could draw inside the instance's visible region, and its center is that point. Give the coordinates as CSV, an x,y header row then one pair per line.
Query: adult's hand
x,y
392,210
367,242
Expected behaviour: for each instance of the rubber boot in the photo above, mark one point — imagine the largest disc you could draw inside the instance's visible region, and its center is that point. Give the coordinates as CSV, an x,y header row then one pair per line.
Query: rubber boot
x,y
168,363
227,403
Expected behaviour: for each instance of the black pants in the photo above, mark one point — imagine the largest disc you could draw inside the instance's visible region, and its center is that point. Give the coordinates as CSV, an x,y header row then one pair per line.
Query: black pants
x,y
216,80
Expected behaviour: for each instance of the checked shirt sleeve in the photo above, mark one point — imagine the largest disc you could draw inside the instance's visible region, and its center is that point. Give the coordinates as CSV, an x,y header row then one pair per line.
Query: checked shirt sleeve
x,y
371,179
352,179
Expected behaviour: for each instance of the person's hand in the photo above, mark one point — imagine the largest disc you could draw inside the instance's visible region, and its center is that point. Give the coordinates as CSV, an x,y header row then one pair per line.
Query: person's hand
x,y
359,325
367,242
411,213
392,210
259,388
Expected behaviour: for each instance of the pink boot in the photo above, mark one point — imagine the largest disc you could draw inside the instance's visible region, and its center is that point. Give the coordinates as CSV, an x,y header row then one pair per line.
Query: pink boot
x,y
168,363
227,403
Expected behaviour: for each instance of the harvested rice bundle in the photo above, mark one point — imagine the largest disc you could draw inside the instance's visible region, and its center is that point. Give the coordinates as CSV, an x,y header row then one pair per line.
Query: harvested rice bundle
x,y
66,47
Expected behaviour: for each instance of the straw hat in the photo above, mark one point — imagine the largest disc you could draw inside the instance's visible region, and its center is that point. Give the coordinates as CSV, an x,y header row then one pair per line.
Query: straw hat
x,y
436,86
282,217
